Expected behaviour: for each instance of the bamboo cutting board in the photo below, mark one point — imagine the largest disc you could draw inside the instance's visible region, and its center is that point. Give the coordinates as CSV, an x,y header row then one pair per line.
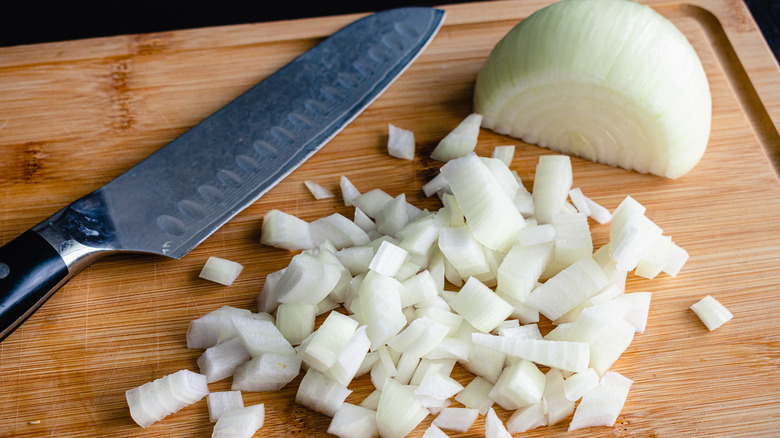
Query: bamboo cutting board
x,y
74,115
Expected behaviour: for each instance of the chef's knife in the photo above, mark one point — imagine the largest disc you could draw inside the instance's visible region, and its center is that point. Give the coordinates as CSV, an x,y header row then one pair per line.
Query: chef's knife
x,y
177,197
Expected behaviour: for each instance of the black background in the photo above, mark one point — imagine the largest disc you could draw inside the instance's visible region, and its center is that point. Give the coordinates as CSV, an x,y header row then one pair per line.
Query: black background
x,y
33,22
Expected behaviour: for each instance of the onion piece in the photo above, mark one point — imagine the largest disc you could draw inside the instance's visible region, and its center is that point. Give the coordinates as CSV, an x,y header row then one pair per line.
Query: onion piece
x,y
494,428
320,393
552,182
388,259
519,385
348,190
372,202
433,431
527,418
490,213
711,312
283,230
261,336
328,341
400,143
476,395
267,372
480,306
564,355
338,230
153,401
380,307
240,423
213,327
558,405
220,270
436,387
460,141
220,361
353,421
223,401
399,410
295,321
504,153
563,292
317,190
351,357
601,405
457,419
572,238
576,385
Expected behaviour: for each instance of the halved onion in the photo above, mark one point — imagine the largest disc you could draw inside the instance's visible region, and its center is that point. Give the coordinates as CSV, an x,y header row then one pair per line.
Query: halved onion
x,y
608,80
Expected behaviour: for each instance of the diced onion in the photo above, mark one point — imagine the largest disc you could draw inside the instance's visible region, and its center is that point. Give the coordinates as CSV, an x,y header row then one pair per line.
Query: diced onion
x,y
240,423
400,143
457,419
711,312
220,270
460,141
319,191
223,401
153,401
380,278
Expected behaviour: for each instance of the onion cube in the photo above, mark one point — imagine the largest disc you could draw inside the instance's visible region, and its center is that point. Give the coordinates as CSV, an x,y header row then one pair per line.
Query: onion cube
x,y
267,372
317,190
494,428
476,395
601,405
321,393
223,401
220,361
480,306
240,423
457,419
221,271
460,141
711,312
153,401
213,327
283,230
348,190
400,143
328,341
399,410
353,421
519,385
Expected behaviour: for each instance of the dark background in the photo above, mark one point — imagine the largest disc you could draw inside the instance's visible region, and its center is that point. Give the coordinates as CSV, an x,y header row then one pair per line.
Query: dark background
x,y
33,22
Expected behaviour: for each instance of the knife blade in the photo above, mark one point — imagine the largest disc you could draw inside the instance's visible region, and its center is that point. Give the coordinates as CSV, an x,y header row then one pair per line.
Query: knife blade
x,y
177,197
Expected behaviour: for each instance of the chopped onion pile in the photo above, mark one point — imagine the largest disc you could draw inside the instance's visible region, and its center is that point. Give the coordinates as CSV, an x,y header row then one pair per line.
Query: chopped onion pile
x,y
407,294
612,81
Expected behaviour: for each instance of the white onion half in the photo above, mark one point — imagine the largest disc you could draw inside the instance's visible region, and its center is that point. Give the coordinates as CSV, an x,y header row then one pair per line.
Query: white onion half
x,y
608,80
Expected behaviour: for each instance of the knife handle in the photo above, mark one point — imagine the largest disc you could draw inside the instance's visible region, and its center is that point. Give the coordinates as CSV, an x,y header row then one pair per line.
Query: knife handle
x,y
30,271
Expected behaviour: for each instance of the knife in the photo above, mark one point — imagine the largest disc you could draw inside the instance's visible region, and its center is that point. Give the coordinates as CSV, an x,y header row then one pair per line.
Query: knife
x,y
177,197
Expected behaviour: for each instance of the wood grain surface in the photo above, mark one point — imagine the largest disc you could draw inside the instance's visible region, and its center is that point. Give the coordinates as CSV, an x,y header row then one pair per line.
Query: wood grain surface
x,y
74,115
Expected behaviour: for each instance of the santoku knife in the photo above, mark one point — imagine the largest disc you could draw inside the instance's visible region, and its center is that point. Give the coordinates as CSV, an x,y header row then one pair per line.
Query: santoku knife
x,y
177,197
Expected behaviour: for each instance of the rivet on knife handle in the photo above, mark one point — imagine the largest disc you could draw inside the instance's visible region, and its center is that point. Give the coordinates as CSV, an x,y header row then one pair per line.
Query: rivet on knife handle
x,y
181,194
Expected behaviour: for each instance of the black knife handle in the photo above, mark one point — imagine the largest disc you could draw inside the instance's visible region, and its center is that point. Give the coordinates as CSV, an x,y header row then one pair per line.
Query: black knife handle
x,y
30,271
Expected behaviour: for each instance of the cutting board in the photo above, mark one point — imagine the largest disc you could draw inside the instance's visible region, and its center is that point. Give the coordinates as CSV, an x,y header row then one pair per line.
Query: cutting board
x,y
74,115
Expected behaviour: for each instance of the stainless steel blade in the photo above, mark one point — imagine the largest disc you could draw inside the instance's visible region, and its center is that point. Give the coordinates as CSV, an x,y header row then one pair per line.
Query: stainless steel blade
x,y
176,198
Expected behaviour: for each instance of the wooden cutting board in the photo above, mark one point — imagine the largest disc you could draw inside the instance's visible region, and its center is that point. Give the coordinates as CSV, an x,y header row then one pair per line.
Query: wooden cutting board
x,y
74,115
